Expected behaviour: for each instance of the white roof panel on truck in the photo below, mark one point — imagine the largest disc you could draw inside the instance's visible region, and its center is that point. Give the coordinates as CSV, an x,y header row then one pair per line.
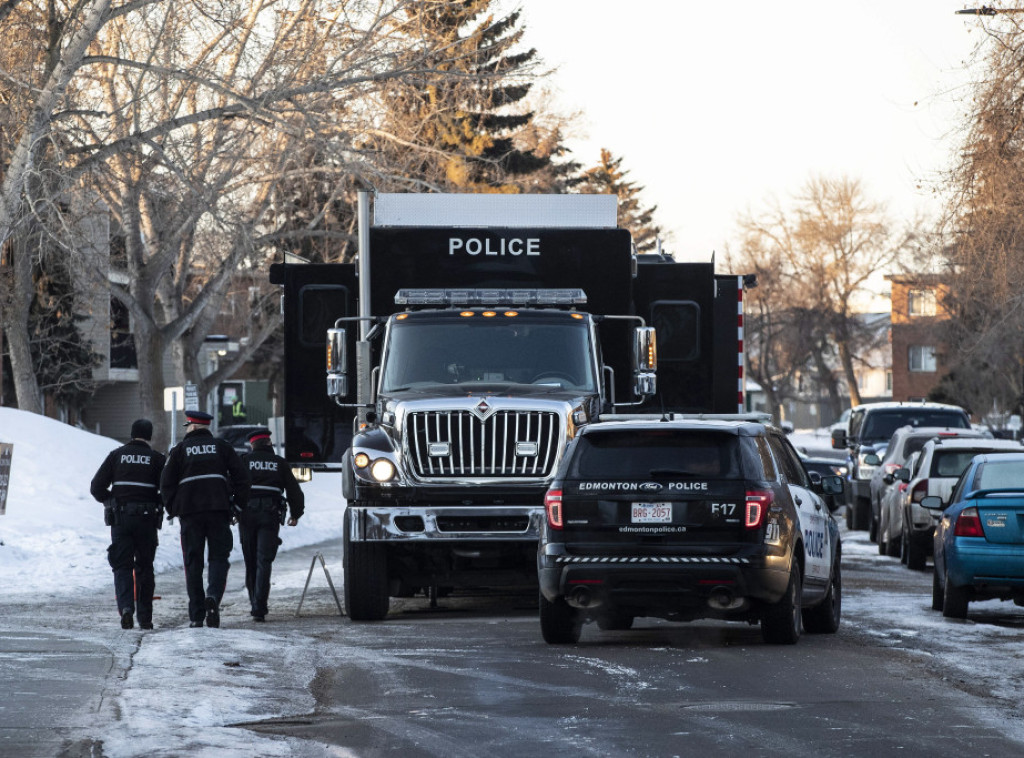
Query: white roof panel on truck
x,y
524,211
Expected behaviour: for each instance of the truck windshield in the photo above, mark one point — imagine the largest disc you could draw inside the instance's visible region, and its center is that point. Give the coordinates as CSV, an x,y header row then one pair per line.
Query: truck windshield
x,y
499,350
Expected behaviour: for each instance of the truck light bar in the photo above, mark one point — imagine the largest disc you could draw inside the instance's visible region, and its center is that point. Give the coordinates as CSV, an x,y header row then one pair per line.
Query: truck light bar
x,y
491,297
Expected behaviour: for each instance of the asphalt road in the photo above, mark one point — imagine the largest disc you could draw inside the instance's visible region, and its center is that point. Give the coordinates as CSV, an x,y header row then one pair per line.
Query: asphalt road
x,y
474,677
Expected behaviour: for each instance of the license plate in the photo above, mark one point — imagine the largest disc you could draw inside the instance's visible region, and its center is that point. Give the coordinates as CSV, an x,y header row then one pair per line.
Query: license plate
x,y
651,513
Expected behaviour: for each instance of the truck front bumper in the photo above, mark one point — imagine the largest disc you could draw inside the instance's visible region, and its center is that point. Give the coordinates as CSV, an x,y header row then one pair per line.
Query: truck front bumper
x,y
447,523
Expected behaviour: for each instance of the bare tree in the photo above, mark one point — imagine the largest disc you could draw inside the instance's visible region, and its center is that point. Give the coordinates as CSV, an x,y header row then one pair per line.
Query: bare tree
x,y
985,227
829,245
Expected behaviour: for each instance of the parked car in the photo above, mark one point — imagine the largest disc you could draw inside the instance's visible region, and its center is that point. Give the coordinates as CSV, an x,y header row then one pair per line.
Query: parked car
x,y
822,466
904,442
870,429
688,519
238,436
940,465
979,542
890,513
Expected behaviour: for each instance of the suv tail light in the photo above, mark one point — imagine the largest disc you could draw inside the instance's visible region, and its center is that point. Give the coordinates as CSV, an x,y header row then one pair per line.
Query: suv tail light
x,y
917,494
756,507
553,506
968,524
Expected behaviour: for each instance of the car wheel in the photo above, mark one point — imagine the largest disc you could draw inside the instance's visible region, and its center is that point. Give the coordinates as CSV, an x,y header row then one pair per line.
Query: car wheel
x,y
916,557
892,547
615,622
861,514
365,579
849,516
937,599
883,544
559,623
904,548
781,622
954,601
873,531
824,618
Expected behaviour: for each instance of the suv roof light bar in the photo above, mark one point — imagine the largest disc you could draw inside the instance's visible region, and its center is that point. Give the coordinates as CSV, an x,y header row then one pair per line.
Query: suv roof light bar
x,y
757,416
491,297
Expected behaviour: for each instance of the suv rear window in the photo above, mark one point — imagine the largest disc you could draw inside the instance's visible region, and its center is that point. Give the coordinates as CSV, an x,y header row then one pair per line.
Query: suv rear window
x,y
952,463
646,453
880,425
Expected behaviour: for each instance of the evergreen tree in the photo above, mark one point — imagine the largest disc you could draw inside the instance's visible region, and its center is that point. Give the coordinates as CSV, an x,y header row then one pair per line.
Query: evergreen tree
x,y
463,125
608,177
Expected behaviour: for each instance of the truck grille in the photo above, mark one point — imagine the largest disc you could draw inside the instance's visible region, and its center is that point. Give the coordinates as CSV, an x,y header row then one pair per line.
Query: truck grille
x,y
507,443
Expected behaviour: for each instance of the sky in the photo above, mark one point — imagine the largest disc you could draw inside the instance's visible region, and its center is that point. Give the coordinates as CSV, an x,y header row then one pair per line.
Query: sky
x,y
179,698
717,107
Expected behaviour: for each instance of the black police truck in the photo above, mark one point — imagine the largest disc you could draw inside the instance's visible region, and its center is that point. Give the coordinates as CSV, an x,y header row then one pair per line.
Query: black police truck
x,y
471,341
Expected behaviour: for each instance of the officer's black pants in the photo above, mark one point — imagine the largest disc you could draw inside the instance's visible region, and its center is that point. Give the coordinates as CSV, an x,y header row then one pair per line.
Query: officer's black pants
x,y
258,534
132,548
198,530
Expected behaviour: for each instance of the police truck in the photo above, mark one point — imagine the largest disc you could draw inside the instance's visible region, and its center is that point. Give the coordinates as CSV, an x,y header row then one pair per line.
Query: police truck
x,y
443,373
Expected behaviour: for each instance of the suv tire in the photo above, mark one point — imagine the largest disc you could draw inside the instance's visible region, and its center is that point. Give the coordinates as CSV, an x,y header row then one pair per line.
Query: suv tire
x,y
781,622
824,617
560,624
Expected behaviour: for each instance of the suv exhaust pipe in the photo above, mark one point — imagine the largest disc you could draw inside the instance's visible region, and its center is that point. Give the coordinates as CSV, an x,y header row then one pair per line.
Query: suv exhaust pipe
x,y
724,599
582,597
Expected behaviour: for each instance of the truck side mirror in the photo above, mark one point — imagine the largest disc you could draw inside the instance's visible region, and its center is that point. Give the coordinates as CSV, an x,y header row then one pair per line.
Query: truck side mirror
x,y
645,350
337,364
645,384
838,439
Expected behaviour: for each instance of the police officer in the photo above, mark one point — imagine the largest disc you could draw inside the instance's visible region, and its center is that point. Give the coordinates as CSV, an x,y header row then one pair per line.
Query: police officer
x,y
260,521
128,484
203,480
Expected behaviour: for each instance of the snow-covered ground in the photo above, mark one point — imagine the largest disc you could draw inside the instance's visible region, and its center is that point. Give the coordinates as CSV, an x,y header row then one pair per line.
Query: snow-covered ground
x,y
180,689
53,533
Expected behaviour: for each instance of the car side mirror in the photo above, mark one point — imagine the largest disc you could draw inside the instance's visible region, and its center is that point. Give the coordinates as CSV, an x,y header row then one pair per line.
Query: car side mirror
x,y
839,441
832,484
872,459
901,474
933,503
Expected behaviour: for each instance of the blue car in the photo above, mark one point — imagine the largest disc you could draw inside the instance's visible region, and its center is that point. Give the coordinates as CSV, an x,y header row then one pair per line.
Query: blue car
x,y
979,542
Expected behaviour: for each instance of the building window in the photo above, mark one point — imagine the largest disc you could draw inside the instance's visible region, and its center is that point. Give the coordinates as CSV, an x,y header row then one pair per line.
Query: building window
x,y
922,358
888,381
122,343
921,303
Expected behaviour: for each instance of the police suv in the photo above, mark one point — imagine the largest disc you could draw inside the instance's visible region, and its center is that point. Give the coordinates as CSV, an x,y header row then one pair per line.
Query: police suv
x,y
684,518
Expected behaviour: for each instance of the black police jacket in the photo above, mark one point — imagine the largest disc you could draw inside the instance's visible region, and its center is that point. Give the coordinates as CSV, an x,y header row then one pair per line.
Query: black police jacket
x,y
203,473
130,474
272,477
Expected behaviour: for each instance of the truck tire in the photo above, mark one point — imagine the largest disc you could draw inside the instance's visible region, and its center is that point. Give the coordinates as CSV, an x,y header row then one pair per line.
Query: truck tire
x,y
937,593
872,523
366,579
560,624
781,622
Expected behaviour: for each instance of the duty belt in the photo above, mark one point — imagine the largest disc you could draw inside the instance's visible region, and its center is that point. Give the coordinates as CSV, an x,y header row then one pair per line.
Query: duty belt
x,y
139,509
264,503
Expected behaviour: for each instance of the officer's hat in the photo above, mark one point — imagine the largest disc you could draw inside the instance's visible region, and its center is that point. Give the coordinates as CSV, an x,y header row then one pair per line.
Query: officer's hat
x,y
259,433
197,417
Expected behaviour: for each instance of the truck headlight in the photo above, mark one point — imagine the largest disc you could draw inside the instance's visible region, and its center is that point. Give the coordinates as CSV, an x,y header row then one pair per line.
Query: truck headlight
x,y
382,470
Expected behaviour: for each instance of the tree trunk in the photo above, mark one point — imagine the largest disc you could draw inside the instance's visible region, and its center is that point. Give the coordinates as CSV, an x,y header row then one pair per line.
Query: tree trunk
x,y
15,314
149,347
851,378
